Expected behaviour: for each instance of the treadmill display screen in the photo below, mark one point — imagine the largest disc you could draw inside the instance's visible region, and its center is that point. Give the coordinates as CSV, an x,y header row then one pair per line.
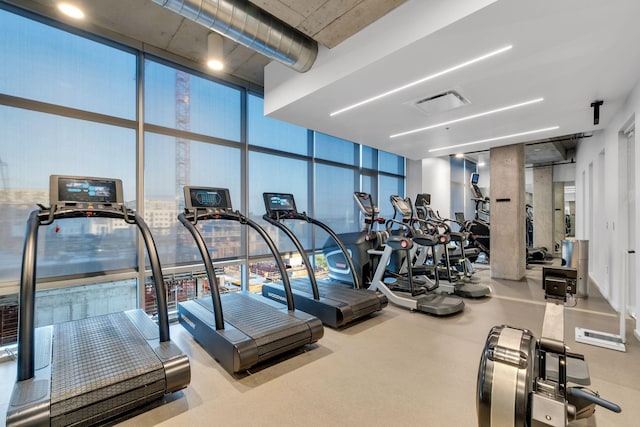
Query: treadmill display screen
x,y
75,189
202,197
423,199
474,178
279,202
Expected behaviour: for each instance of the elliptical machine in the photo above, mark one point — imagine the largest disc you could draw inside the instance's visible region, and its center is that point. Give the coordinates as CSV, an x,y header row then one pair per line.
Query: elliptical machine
x,y
383,246
451,275
523,381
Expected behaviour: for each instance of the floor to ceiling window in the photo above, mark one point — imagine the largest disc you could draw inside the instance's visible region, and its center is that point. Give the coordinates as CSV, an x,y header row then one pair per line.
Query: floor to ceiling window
x,y
71,104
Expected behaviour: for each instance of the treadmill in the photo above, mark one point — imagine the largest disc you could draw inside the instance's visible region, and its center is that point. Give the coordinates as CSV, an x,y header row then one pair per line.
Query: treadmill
x,y
430,303
93,370
335,303
239,329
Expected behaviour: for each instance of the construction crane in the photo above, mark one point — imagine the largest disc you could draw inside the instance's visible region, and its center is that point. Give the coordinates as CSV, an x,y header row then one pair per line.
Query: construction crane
x,y
183,122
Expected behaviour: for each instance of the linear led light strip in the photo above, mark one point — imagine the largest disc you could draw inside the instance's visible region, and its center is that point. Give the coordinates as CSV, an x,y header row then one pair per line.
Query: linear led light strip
x,y
497,138
422,80
473,116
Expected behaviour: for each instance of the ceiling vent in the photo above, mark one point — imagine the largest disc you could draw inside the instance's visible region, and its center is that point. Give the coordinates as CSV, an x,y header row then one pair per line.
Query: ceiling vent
x,y
440,103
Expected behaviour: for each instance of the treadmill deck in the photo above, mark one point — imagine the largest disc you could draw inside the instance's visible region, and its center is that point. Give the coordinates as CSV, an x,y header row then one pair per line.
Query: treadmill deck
x,y
94,369
254,331
338,304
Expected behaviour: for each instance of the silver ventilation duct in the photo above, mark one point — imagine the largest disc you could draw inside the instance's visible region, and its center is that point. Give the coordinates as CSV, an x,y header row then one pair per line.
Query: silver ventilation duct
x,y
250,26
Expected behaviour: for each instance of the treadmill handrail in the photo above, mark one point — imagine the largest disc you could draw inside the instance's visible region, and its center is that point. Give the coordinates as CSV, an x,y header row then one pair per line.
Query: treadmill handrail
x,y
211,273
46,216
202,214
301,251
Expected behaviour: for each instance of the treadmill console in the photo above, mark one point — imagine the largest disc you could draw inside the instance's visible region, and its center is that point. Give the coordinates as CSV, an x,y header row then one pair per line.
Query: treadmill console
x,y
207,198
423,199
365,203
279,203
81,190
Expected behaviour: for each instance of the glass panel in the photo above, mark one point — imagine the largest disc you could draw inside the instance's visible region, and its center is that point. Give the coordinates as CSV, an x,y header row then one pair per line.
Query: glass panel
x,y
368,157
390,163
79,302
334,149
276,174
367,184
9,316
461,170
203,164
42,145
270,133
469,207
180,100
191,285
334,199
50,65
387,187
264,271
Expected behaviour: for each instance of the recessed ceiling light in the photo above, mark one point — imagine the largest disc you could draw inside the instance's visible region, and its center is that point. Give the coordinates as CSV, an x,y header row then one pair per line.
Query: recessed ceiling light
x,y
424,79
481,164
473,116
215,64
215,51
71,10
497,138
459,156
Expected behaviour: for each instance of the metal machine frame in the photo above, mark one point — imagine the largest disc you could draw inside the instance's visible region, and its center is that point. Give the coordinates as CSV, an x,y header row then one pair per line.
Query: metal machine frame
x,y
252,329
335,303
92,370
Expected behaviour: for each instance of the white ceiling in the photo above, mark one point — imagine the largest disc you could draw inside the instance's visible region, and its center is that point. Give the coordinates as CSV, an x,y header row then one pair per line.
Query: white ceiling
x,y
569,52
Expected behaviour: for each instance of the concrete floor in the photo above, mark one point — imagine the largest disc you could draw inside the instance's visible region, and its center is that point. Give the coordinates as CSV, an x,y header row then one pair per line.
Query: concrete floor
x,y
396,368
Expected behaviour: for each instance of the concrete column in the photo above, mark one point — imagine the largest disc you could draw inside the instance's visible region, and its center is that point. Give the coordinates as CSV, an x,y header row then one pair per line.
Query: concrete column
x,y
558,214
507,212
543,207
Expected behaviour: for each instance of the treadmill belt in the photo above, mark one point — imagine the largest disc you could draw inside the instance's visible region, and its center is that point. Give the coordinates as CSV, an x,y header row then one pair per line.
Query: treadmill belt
x,y
358,300
99,363
270,328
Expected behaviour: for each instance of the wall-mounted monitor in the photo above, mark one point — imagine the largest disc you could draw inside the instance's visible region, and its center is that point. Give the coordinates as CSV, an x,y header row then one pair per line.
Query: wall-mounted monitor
x,y
206,198
82,189
279,203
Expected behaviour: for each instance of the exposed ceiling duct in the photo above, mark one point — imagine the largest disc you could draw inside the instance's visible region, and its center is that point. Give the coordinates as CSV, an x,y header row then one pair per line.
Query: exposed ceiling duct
x,y
245,23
